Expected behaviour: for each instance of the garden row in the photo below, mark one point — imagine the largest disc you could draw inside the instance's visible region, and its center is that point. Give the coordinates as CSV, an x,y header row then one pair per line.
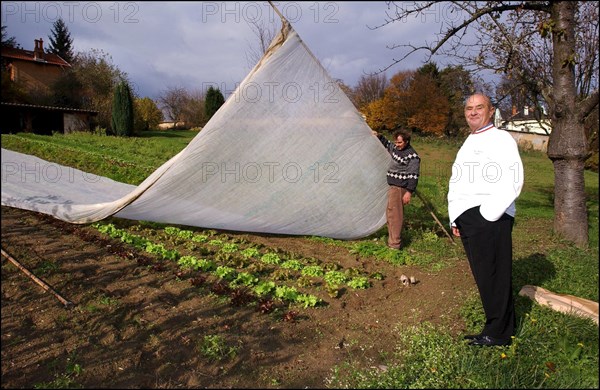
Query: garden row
x,y
238,265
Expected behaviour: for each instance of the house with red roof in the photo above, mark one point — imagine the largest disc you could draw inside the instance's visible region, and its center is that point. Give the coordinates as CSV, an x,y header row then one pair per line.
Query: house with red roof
x,y
36,71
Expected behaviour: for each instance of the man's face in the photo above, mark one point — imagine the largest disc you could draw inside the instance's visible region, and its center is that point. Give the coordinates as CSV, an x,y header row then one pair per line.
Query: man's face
x,y
400,144
478,112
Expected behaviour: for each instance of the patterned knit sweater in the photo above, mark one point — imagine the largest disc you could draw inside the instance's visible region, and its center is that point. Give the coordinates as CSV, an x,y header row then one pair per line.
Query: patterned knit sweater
x,y
404,167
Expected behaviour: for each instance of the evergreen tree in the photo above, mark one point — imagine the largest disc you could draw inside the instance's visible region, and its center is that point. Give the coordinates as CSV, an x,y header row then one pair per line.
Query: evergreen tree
x,y
122,110
214,100
8,41
61,42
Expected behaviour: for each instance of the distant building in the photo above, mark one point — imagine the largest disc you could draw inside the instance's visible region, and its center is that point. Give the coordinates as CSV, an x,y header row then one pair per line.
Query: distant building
x,y
44,120
170,125
530,128
528,121
37,71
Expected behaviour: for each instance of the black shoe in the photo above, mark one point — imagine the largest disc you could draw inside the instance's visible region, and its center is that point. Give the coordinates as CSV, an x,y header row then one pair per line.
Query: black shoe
x,y
471,336
489,341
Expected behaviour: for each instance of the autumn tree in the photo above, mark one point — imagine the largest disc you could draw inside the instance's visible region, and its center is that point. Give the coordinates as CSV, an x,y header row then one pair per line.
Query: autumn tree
x,y
412,100
542,45
98,77
376,115
147,116
391,111
428,107
61,42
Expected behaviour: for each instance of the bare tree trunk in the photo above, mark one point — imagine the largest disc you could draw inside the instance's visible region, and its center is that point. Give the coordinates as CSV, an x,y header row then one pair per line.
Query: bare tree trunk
x,y
570,211
567,146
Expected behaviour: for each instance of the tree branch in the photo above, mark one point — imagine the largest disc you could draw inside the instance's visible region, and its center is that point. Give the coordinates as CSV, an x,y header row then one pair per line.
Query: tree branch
x,y
587,105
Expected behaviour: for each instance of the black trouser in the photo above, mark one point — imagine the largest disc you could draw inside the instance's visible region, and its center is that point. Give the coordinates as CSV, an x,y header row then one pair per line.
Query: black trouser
x,y
489,249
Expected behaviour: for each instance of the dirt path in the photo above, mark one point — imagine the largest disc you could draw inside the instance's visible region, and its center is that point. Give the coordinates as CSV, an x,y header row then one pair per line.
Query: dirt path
x,y
135,325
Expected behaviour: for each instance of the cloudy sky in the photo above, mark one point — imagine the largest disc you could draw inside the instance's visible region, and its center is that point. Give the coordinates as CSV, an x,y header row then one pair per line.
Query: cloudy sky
x,y
196,44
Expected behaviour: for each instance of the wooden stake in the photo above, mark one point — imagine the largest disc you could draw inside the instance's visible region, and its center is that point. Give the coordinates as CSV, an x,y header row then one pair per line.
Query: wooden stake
x,y
429,207
66,303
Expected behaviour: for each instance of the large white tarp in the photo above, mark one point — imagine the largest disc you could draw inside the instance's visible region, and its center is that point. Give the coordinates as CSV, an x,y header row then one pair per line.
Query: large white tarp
x,y
287,153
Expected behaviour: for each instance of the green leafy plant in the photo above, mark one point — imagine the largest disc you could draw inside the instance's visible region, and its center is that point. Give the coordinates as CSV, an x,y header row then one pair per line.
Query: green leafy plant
x,y
195,264
108,301
308,300
214,348
359,282
313,270
245,279
183,234
292,264
230,248
250,252
271,258
64,380
216,242
286,293
334,277
200,238
226,273
264,288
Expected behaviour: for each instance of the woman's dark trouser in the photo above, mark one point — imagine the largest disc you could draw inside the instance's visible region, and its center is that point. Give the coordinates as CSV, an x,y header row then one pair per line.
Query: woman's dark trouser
x,y
488,246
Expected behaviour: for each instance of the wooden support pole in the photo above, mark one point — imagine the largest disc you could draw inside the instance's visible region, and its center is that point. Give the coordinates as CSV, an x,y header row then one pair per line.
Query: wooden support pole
x,y
429,207
66,303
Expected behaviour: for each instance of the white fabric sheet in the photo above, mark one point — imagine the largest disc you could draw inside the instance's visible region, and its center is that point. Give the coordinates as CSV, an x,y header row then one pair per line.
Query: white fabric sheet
x,y
287,153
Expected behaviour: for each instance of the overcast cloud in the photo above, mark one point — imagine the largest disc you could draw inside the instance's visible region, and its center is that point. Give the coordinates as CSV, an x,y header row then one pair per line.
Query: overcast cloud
x,y
196,44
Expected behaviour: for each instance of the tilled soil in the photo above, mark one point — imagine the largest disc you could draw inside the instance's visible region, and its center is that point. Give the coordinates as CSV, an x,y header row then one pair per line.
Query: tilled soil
x,y
138,323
